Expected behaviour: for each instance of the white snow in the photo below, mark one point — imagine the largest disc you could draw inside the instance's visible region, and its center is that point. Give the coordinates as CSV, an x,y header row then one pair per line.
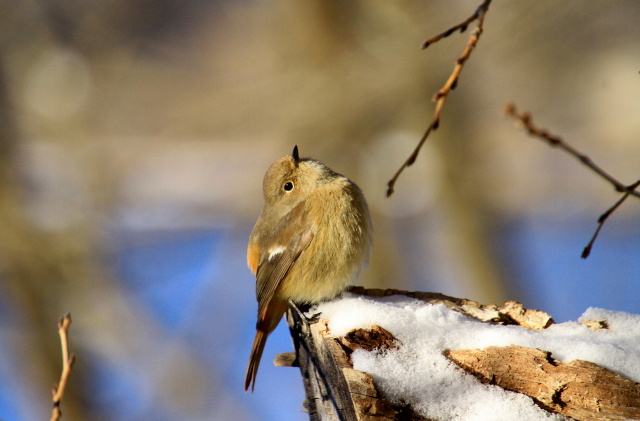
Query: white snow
x,y
418,373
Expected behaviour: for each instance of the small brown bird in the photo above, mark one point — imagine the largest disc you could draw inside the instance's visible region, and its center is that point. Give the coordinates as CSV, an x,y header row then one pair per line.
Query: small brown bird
x,y
311,239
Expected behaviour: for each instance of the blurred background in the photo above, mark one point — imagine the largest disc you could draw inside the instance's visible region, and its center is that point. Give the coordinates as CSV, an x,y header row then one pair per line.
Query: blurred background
x,y
133,140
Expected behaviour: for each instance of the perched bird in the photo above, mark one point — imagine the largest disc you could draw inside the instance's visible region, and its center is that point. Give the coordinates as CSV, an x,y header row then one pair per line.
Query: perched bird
x,y
311,239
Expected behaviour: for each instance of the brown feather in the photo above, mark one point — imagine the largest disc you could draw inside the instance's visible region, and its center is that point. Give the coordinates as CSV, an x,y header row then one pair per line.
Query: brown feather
x,y
266,323
254,360
273,271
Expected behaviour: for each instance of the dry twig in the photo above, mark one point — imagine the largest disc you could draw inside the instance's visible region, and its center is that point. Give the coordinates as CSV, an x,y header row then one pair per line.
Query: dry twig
x,y
67,365
441,96
525,119
604,216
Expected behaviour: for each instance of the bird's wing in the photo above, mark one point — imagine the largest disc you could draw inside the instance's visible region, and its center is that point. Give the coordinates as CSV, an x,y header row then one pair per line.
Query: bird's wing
x,y
296,234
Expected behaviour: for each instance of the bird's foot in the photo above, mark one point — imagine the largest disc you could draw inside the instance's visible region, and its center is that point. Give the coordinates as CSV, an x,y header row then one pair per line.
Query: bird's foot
x,y
302,309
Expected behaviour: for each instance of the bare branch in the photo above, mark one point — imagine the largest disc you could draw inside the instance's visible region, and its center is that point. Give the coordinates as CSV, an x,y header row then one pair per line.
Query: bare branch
x,y
556,141
604,216
525,119
461,26
67,365
441,96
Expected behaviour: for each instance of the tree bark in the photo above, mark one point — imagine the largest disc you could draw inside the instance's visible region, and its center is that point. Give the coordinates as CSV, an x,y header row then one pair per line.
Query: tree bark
x,y
335,391
578,389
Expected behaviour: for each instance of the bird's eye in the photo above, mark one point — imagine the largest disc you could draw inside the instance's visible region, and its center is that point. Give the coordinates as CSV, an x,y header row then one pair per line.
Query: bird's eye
x,y
288,186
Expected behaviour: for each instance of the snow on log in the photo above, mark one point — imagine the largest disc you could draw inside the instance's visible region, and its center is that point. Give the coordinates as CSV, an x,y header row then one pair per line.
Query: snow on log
x,y
387,355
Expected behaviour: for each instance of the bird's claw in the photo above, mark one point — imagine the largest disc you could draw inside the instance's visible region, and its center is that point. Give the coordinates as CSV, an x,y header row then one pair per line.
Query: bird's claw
x,y
301,309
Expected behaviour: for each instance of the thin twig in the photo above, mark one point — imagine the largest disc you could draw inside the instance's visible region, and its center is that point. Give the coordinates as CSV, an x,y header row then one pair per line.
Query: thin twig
x,y
441,96
461,26
525,119
556,141
604,216
67,365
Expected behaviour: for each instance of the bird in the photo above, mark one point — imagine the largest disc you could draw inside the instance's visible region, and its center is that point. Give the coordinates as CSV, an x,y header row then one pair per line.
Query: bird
x,y
313,236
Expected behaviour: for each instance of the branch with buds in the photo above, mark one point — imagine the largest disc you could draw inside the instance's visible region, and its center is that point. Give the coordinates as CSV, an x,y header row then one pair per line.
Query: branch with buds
x,y
440,97
525,119
67,365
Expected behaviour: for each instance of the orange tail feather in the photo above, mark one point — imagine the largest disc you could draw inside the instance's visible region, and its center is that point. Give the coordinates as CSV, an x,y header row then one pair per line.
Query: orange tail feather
x,y
254,359
267,321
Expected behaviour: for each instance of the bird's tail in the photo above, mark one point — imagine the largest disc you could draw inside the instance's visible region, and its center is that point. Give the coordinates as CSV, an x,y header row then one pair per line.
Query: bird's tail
x,y
254,359
267,321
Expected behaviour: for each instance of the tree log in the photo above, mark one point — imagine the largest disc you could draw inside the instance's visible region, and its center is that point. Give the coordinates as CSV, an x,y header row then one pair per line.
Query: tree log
x,y
578,389
335,391
511,313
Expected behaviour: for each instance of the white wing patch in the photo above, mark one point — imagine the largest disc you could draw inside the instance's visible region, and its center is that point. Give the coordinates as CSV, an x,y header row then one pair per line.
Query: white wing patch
x,y
275,250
